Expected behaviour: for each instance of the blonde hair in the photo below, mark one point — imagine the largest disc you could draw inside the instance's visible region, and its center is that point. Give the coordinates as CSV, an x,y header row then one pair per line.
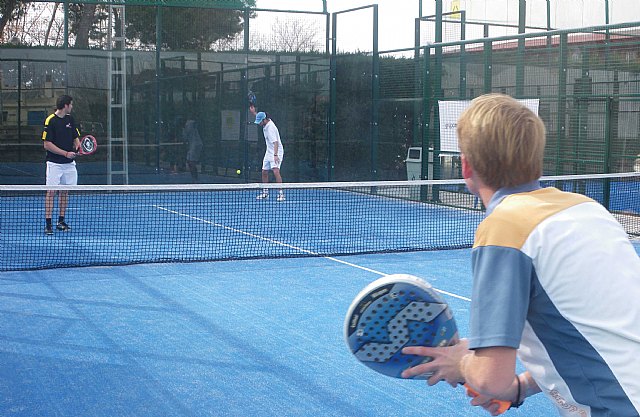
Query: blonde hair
x,y
502,140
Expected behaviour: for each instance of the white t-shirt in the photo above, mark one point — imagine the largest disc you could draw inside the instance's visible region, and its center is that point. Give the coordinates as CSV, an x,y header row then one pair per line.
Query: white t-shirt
x,y
271,136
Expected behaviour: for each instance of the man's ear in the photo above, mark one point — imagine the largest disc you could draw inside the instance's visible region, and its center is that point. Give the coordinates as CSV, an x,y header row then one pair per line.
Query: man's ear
x,y
467,170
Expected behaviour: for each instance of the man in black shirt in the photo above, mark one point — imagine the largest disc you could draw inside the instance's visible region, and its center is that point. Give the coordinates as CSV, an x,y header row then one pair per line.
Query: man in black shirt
x,y
61,140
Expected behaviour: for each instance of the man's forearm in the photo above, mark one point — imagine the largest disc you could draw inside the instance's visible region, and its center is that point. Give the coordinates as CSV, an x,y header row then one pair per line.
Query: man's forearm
x,y
51,147
491,372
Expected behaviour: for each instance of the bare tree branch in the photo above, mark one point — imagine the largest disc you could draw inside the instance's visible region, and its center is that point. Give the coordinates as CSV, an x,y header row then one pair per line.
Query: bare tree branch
x,y
53,17
7,9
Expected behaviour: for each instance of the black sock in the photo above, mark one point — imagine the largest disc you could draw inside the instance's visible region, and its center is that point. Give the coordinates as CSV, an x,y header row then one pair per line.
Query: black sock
x,y
60,219
48,221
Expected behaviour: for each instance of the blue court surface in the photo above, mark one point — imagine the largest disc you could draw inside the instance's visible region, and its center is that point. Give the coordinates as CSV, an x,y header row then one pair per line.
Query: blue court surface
x,y
236,338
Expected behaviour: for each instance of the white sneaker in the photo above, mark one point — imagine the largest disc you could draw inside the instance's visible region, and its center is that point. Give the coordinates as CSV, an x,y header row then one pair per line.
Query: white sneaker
x,y
281,197
262,196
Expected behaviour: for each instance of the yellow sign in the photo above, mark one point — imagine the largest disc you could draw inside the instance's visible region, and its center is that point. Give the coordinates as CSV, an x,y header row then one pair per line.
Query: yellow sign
x,y
455,7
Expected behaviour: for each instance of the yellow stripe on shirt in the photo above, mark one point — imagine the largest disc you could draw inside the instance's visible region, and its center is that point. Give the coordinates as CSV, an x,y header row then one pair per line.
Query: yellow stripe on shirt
x,y
511,222
46,123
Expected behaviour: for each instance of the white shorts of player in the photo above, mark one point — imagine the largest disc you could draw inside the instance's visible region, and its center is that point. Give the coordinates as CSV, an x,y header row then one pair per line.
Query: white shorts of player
x,y
268,163
62,174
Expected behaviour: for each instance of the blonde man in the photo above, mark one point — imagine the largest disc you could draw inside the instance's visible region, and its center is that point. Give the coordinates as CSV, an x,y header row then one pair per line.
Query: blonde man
x,y
556,281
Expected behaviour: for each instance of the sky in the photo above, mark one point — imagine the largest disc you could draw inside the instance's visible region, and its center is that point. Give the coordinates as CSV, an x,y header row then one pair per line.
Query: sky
x,y
396,17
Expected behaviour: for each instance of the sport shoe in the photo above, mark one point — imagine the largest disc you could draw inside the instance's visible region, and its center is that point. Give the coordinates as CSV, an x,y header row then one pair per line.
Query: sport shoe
x,y
48,230
63,226
262,196
281,197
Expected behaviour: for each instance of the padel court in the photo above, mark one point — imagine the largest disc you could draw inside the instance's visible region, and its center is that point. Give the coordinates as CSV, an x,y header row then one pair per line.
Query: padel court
x,y
241,337
237,338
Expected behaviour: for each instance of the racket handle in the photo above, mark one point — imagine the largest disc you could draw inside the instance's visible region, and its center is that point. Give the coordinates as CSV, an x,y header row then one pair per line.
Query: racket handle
x,y
504,405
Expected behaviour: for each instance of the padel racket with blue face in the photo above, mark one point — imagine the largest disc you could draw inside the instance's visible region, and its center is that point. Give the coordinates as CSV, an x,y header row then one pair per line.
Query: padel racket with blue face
x,y
252,99
88,145
397,311
393,312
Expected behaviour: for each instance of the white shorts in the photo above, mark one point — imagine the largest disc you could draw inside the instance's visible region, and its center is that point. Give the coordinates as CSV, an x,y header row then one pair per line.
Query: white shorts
x,y
62,174
270,163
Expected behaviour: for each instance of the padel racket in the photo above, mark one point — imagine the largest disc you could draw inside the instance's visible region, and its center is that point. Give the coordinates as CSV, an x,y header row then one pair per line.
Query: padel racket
x,y
252,99
88,145
397,311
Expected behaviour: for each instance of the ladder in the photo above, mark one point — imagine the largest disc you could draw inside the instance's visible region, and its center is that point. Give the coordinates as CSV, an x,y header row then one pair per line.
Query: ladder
x,y
118,158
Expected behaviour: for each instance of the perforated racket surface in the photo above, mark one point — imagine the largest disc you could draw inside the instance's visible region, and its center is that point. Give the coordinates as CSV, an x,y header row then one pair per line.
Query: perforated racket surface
x,y
393,312
397,311
88,145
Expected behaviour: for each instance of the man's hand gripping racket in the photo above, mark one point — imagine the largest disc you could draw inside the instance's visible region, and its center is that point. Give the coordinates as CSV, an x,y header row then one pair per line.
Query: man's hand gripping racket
x,y
88,145
397,311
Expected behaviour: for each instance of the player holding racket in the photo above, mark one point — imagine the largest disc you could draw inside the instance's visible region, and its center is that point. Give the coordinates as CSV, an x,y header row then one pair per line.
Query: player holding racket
x,y
61,141
556,281
273,155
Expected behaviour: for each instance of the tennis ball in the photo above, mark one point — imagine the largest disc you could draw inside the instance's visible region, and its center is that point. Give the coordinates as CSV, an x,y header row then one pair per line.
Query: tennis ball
x,y
238,172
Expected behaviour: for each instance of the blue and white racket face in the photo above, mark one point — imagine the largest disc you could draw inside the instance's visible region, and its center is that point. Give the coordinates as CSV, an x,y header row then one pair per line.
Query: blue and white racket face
x,y
252,98
393,312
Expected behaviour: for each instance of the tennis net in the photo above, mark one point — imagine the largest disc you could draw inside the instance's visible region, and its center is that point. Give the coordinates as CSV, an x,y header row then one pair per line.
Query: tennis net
x,y
128,224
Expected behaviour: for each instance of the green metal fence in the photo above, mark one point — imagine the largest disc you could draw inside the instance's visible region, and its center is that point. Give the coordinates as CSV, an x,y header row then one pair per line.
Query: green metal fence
x,y
173,72
587,81
345,109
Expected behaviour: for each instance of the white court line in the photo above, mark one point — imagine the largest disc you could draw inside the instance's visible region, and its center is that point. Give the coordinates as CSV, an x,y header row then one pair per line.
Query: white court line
x,y
277,242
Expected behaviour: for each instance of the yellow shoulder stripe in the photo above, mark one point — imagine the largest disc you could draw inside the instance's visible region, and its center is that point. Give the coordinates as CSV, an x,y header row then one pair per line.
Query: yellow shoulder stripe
x,y
46,123
512,221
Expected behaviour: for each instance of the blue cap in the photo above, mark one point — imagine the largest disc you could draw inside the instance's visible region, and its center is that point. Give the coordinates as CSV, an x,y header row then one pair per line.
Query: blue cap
x,y
260,117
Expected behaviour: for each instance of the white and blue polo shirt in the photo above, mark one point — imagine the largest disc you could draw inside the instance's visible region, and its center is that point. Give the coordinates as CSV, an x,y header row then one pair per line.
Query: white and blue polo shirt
x,y
556,277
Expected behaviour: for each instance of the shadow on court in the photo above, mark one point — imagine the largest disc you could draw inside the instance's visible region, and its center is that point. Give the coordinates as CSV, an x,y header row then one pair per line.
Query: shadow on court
x,y
240,338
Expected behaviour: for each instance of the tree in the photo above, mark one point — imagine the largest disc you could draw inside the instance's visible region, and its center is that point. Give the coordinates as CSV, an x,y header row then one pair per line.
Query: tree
x,y
86,23
185,28
83,25
296,36
303,33
192,28
26,22
8,9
